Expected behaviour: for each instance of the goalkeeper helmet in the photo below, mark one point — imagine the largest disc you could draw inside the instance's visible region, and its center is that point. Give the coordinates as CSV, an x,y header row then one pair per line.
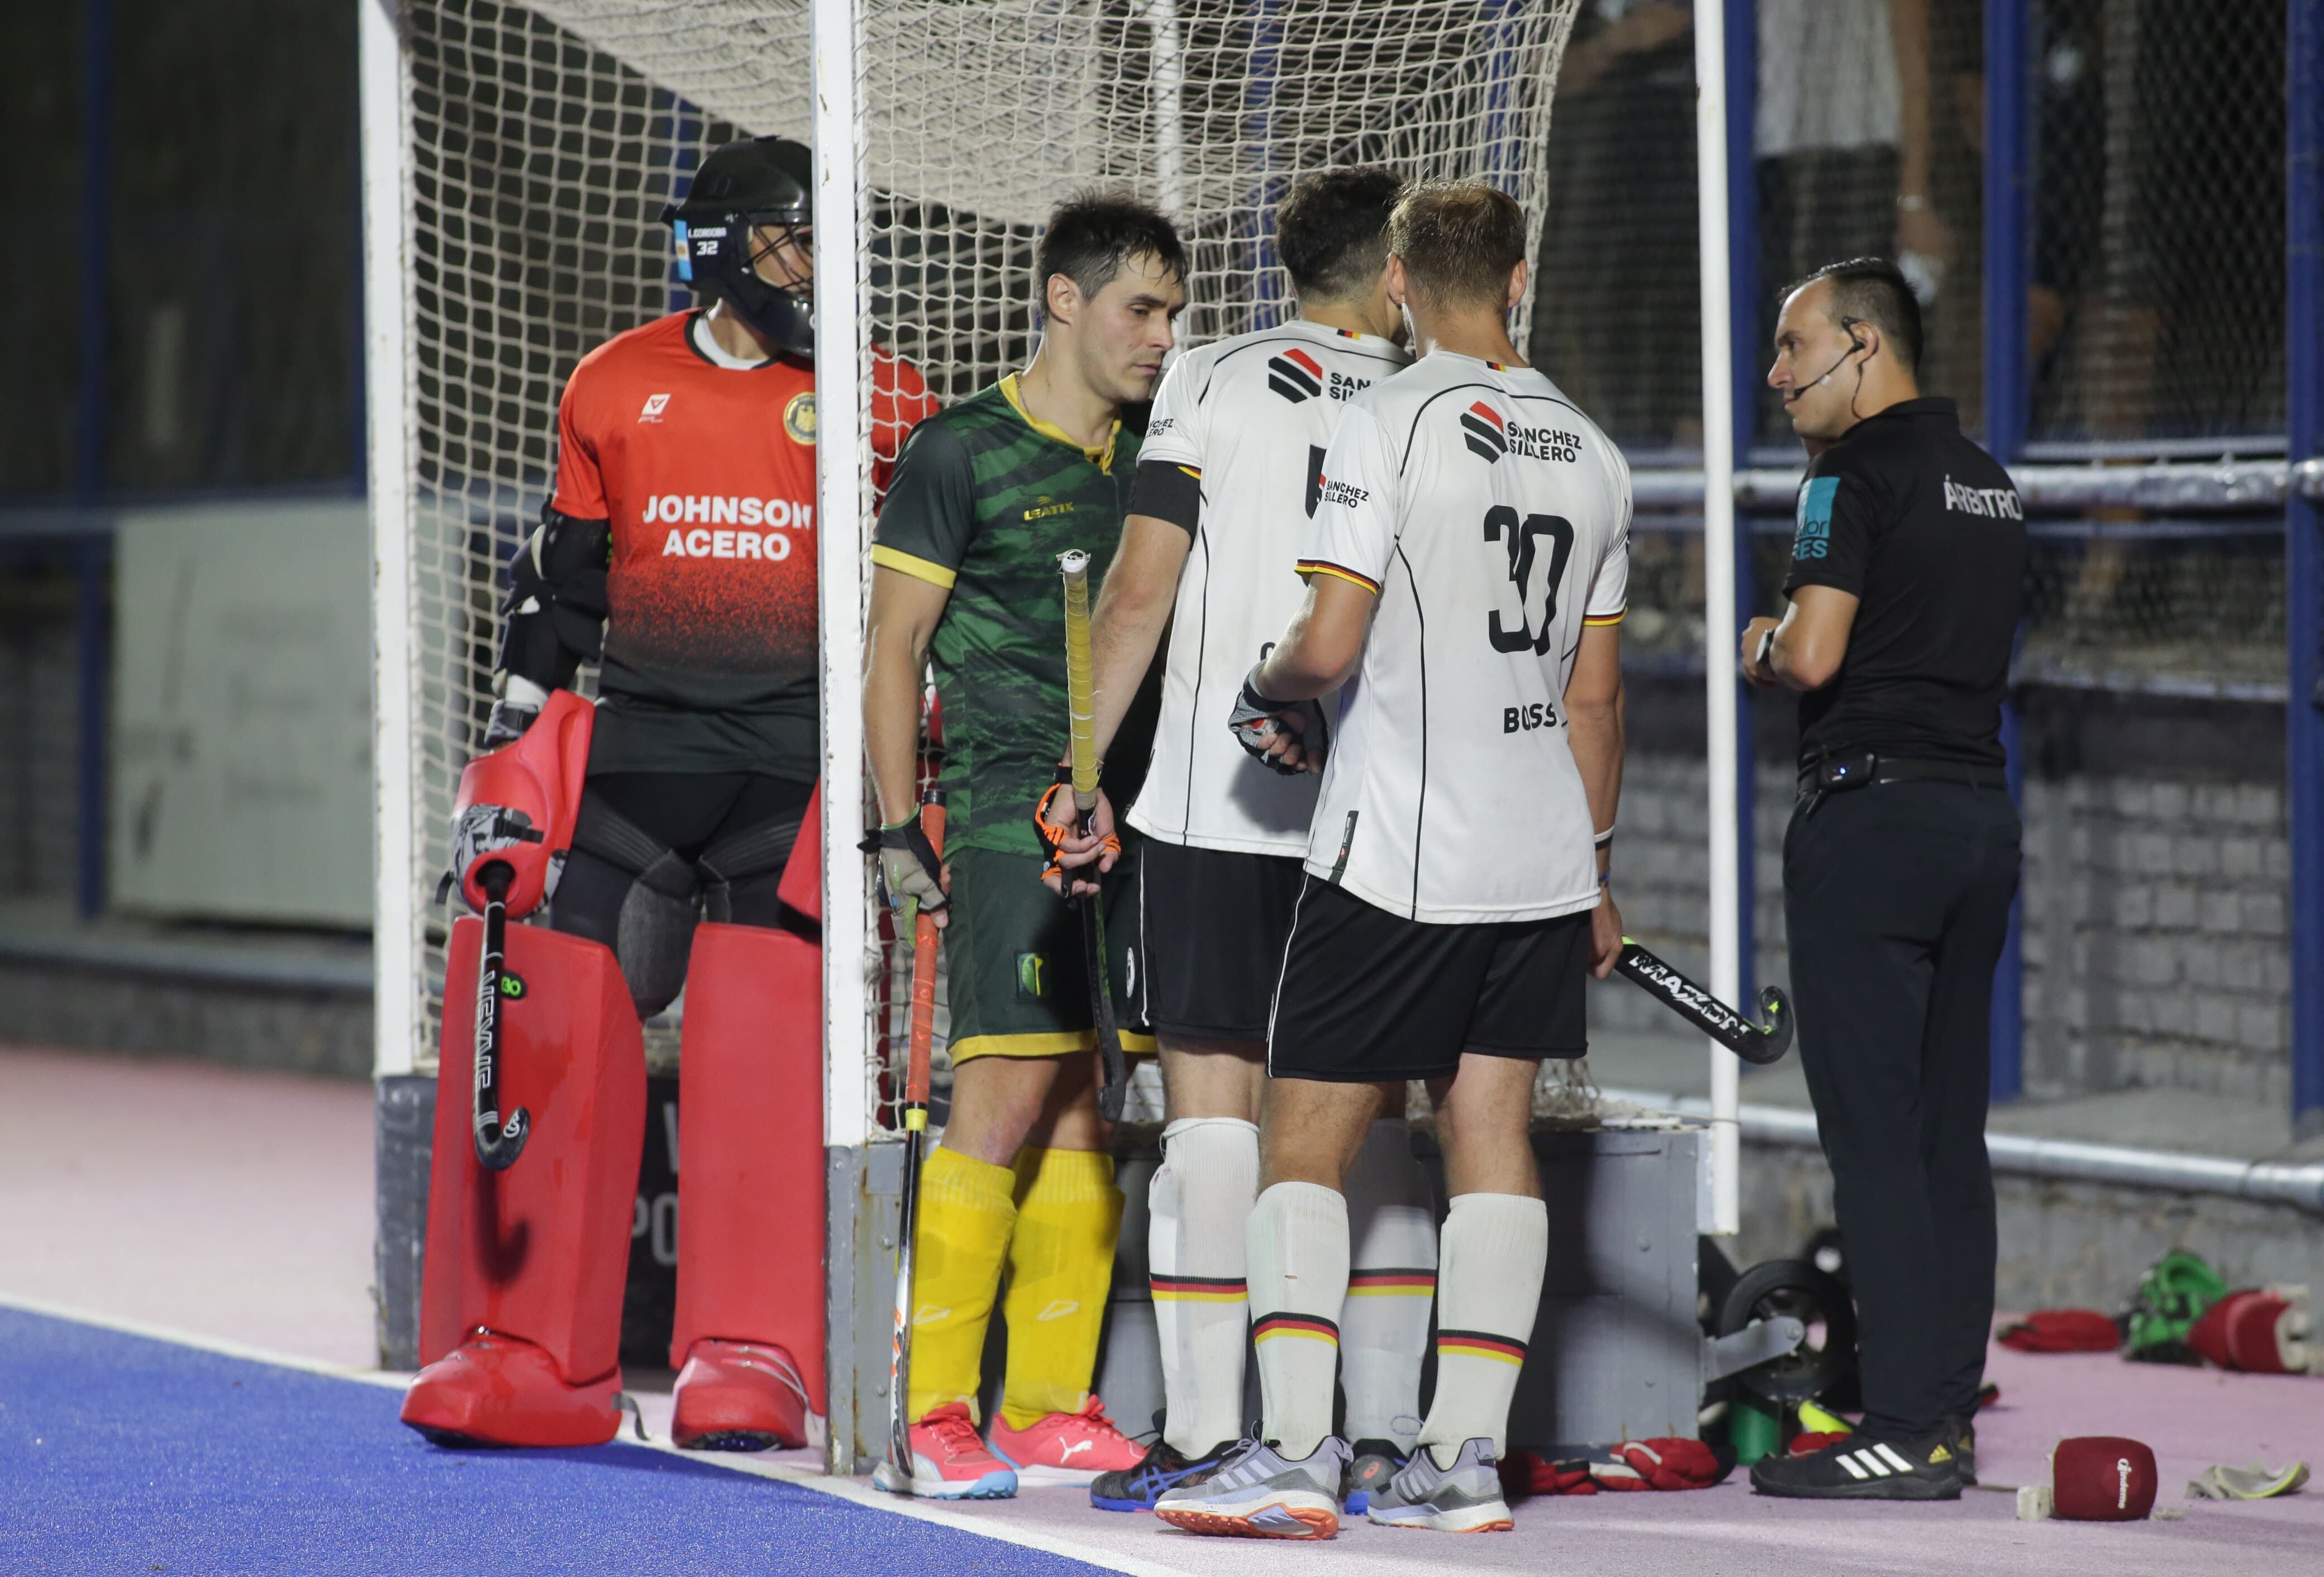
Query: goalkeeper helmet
x,y
741,188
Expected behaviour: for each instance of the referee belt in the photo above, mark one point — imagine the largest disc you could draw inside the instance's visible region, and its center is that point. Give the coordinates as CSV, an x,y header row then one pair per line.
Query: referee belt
x,y
1842,769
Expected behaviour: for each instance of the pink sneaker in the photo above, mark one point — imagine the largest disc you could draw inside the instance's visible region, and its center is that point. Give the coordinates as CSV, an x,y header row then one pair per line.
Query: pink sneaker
x,y
949,1462
1066,1448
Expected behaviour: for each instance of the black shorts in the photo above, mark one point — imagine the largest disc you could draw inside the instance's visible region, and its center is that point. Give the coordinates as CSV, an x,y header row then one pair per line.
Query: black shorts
x,y
1368,996
1214,923
655,852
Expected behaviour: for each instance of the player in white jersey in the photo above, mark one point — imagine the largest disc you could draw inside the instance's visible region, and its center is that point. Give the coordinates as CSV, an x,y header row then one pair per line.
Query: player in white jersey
x,y
1467,571
1228,476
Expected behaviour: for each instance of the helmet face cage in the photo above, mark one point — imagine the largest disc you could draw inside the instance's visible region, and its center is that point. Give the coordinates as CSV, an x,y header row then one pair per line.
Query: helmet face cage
x,y
719,253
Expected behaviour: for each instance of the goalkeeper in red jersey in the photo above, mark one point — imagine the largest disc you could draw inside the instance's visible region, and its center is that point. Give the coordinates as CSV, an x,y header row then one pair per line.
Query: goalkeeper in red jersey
x,y
679,548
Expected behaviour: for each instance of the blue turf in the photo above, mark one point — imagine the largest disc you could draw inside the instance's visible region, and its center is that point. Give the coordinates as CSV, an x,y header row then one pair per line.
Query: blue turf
x,y
120,1454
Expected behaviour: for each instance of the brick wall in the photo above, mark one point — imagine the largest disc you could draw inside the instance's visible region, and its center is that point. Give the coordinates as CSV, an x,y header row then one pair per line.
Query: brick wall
x,y
2155,900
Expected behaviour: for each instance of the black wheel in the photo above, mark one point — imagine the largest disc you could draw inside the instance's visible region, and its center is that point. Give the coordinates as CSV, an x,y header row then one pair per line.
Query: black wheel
x,y
1827,1356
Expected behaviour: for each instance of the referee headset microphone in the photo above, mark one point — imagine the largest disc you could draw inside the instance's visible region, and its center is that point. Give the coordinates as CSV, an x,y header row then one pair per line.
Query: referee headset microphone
x,y
1855,344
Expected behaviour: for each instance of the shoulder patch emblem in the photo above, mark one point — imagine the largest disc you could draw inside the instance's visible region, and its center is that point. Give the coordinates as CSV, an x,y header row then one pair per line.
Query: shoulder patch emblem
x,y
1296,376
798,418
1484,428
1812,538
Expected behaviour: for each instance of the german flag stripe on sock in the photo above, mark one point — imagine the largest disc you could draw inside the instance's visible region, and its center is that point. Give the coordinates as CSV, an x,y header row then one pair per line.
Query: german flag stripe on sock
x,y
1315,1327
1204,1289
1480,1344
1391,1283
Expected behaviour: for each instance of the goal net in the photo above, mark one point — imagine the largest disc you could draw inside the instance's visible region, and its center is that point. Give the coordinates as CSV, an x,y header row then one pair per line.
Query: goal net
x,y
532,147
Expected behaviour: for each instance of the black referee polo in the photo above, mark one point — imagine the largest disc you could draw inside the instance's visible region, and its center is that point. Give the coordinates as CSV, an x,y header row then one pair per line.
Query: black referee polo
x,y
1897,879
1924,526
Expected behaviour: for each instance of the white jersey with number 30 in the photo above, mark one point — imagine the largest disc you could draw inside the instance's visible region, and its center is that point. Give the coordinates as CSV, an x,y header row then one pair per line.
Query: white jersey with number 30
x,y
1492,520
1251,416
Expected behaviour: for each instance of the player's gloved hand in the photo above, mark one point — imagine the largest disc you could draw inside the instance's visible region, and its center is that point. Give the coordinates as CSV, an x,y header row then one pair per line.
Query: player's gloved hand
x,y
1290,737
1071,852
507,724
910,868
520,701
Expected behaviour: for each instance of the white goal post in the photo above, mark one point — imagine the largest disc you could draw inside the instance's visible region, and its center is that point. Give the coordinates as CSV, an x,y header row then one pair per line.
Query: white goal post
x,y
516,157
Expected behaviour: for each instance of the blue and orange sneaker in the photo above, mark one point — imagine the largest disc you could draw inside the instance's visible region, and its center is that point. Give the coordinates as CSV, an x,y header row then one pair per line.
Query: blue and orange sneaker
x,y
1164,1467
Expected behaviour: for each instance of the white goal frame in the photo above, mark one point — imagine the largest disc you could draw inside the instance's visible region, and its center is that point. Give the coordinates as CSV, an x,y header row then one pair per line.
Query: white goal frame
x,y
844,126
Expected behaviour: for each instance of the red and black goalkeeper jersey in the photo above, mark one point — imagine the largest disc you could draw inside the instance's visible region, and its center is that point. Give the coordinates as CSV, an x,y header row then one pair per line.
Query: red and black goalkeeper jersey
x,y
707,475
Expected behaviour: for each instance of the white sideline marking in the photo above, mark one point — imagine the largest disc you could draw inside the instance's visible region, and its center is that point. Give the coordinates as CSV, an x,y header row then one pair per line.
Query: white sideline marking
x,y
219,1345
858,1492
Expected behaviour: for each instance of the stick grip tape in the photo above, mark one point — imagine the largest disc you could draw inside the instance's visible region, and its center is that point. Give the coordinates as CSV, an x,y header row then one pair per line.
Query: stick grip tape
x,y
924,985
1080,687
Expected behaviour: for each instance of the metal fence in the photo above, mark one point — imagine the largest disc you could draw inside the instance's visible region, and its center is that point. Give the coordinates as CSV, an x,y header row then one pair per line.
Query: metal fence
x,y
2092,199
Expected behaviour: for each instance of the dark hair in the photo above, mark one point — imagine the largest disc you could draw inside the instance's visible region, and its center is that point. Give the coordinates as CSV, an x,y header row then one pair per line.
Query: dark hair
x,y
1331,231
1093,236
1872,290
1459,240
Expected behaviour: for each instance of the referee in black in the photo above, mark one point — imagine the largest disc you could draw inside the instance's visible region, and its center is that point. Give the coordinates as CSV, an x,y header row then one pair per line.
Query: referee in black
x,y
1908,567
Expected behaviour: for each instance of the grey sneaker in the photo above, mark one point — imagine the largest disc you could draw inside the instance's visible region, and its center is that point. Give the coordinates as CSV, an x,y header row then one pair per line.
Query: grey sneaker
x,y
1258,1493
1465,1498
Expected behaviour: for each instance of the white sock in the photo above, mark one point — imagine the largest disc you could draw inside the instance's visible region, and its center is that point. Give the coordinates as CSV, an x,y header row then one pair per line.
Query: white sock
x,y
1391,1285
1487,1295
1298,1246
1201,1202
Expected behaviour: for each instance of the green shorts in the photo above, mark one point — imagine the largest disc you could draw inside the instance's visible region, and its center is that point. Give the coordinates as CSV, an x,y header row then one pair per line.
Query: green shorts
x,y
1013,959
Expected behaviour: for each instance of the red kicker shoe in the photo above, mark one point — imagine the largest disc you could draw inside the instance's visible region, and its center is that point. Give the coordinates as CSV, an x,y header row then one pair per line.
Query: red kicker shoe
x,y
739,1396
1065,1448
500,1390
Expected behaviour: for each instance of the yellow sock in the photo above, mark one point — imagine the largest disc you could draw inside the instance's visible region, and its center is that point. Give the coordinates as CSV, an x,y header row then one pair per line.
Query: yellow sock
x,y
967,1208
1060,1268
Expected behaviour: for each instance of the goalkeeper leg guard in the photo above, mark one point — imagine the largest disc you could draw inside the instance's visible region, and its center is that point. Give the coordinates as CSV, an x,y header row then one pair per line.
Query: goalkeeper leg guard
x,y
1060,1269
749,1333
968,1209
1391,1289
521,1304
1200,1204
1488,1295
1298,1242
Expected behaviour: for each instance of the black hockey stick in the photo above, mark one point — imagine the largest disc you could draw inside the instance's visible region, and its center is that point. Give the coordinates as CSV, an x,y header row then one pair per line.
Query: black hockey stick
x,y
498,1145
1113,1088
1752,1042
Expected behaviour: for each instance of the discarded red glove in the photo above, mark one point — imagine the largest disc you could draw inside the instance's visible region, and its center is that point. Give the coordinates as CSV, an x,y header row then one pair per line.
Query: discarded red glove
x,y
1813,1441
1664,1463
1526,1473
2062,1331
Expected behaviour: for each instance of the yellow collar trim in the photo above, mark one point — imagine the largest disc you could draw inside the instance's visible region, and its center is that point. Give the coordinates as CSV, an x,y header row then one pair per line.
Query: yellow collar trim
x,y
1101,457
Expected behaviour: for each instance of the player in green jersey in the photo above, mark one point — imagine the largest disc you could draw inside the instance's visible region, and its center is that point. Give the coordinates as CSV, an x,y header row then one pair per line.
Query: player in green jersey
x,y
986,495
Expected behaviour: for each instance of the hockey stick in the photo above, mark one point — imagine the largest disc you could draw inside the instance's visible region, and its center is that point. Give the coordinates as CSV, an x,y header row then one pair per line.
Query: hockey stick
x,y
1751,1042
916,1133
1080,708
497,1145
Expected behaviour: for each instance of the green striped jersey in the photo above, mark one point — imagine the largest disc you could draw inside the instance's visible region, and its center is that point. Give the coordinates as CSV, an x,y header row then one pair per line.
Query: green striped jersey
x,y
985,499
